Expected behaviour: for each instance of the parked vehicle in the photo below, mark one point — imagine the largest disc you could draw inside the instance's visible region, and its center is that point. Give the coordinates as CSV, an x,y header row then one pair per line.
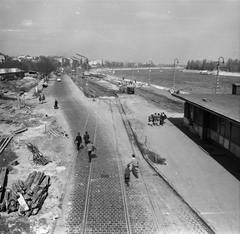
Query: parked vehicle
x,y
130,89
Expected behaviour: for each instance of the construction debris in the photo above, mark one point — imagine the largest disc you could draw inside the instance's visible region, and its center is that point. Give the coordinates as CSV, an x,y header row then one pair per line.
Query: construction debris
x,y
38,158
26,197
20,131
57,133
4,142
3,174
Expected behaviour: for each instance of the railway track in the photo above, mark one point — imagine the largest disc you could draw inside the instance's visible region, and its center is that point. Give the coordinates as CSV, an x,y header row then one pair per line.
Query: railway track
x,y
172,214
100,202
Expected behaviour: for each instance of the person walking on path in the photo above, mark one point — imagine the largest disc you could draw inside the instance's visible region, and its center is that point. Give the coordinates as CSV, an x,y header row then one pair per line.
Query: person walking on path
x,y
43,98
134,163
158,119
90,149
162,118
78,140
127,175
40,99
86,138
56,104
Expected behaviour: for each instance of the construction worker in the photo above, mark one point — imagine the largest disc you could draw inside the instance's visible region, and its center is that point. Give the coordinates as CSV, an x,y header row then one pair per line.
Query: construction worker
x,y
86,138
134,164
127,175
56,104
40,99
90,149
78,141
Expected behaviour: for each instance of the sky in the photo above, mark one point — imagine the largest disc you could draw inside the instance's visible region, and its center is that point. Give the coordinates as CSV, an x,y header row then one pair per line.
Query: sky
x,y
122,30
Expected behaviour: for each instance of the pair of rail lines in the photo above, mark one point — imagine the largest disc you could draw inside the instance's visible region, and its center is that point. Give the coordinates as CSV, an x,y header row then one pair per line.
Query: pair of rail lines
x,y
84,213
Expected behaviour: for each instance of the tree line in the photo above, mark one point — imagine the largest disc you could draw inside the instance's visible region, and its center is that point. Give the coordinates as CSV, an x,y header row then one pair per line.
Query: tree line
x,y
44,65
230,66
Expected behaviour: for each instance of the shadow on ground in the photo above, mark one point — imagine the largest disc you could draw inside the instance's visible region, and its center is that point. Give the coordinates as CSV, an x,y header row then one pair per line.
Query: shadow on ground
x,y
221,155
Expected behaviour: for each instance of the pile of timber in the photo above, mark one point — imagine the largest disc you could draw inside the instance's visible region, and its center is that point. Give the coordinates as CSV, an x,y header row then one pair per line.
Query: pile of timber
x,y
56,132
3,174
26,197
4,142
38,157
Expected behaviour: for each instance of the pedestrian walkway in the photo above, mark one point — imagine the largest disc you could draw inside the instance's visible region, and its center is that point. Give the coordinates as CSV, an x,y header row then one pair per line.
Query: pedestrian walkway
x,y
203,183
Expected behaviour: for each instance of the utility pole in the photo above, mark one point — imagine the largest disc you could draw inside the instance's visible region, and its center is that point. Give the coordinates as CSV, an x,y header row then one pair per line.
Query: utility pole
x,y
174,79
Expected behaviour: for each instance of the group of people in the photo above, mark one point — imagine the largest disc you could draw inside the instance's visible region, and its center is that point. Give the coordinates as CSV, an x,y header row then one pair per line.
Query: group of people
x,y
131,167
88,144
41,98
157,119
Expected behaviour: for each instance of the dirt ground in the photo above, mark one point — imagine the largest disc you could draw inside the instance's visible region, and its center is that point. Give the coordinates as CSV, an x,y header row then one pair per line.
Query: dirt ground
x,y
26,112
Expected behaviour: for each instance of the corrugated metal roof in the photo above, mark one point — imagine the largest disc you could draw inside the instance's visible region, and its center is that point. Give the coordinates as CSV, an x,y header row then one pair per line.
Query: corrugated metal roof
x,y
227,105
10,70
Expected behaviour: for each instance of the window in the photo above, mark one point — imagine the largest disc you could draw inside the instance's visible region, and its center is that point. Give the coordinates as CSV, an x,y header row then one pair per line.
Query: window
x,y
235,134
214,122
198,116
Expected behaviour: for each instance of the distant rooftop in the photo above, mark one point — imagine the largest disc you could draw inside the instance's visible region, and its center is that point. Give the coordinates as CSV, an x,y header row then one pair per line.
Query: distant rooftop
x,y
9,70
227,105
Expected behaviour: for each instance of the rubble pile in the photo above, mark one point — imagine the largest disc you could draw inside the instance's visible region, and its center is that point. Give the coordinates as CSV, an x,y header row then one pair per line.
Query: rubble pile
x,y
26,197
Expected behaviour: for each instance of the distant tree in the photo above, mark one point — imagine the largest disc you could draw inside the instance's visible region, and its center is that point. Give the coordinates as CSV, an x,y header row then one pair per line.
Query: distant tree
x,y
204,64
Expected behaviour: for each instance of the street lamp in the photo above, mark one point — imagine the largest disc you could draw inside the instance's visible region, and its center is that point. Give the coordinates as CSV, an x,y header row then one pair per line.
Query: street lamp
x,y
121,69
149,72
85,58
217,80
175,60
133,70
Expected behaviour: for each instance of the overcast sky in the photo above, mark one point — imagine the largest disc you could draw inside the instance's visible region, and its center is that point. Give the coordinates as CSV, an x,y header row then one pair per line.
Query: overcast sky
x,y
123,30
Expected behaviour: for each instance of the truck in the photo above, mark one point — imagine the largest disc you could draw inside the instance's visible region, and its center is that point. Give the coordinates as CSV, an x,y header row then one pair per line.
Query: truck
x,y
130,89
127,87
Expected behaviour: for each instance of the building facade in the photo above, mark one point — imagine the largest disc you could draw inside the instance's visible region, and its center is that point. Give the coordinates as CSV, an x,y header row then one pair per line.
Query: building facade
x,y
214,117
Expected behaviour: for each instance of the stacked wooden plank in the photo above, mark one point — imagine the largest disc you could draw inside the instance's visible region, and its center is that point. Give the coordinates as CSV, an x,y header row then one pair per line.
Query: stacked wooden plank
x,y
56,132
4,142
3,174
27,197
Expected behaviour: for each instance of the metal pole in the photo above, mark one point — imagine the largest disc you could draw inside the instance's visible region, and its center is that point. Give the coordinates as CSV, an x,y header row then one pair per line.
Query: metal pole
x,y
149,72
174,78
217,80
133,71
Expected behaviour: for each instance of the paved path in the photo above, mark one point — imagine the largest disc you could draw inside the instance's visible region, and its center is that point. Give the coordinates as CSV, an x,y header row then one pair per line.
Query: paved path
x,y
200,180
97,201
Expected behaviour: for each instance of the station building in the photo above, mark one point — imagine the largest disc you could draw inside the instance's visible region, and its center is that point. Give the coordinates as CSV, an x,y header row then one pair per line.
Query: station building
x,y
215,117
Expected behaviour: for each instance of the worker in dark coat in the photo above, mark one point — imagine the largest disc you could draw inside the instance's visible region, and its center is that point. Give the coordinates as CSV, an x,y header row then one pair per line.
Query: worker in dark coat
x,y
162,118
56,104
127,175
86,138
78,141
